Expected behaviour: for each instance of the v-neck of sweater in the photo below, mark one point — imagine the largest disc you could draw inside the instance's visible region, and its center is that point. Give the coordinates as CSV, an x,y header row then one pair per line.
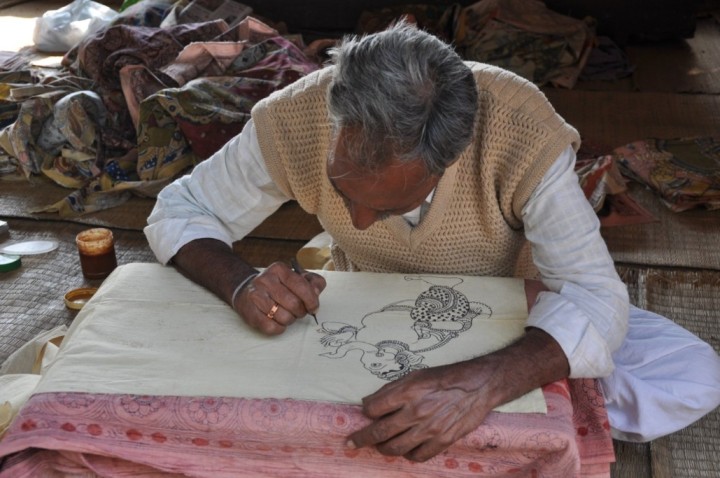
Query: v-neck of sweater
x,y
414,236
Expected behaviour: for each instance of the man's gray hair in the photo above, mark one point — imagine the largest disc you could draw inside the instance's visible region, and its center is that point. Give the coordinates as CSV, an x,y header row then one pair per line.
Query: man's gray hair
x,y
405,94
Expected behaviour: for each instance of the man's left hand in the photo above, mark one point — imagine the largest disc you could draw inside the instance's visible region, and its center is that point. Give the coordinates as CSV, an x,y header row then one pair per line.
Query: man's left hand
x,y
424,413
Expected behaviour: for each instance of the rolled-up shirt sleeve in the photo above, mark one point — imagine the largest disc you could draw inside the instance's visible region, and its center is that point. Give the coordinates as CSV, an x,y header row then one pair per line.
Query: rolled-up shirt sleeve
x,y
586,309
224,198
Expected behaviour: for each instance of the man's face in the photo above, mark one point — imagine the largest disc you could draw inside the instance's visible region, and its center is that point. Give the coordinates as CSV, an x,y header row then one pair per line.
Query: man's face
x,y
396,189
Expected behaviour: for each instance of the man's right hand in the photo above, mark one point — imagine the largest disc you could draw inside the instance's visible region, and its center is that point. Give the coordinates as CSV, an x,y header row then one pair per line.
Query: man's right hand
x,y
295,295
212,264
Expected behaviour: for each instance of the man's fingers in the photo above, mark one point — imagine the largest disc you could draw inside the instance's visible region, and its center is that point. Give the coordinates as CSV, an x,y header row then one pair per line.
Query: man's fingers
x,y
293,291
317,281
262,321
305,288
418,417
263,313
378,432
388,399
402,444
278,296
426,450
403,434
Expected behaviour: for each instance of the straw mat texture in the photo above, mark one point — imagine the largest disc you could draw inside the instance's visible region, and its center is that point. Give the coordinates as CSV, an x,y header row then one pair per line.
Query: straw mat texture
x,y
679,66
31,297
668,66
615,118
19,197
632,460
263,252
692,299
687,239
11,3
290,222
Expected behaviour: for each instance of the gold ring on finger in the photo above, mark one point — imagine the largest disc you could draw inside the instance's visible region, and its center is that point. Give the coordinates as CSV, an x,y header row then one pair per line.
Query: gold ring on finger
x,y
273,309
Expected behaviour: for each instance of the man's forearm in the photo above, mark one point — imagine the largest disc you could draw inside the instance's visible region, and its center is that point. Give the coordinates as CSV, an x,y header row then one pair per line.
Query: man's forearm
x,y
212,264
530,362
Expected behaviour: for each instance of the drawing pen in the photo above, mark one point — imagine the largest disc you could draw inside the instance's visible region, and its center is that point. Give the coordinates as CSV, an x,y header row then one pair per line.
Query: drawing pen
x,y
296,267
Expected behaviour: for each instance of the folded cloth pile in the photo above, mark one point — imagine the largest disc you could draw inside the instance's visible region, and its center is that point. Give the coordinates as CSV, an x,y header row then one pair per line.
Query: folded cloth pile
x,y
685,172
139,103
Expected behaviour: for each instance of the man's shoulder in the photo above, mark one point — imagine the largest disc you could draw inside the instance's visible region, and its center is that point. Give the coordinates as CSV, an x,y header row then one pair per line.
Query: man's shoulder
x,y
493,77
315,83
509,91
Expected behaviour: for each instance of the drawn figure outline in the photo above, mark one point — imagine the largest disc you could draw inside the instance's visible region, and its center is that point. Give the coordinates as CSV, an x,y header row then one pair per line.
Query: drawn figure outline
x,y
438,315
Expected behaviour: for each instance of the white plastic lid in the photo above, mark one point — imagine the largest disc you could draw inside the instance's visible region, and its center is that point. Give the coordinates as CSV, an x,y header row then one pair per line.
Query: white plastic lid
x,y
28,248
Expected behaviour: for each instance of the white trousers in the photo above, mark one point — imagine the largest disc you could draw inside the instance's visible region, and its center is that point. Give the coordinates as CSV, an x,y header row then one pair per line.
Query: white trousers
x,y
665,378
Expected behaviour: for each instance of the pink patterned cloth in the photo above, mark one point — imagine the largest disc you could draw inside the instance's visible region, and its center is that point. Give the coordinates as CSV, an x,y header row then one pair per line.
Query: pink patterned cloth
x,y
133,435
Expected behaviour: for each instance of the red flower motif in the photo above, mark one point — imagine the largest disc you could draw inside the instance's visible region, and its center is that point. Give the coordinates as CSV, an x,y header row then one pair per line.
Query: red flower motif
x,y
451,463
475,467
68,427
28,425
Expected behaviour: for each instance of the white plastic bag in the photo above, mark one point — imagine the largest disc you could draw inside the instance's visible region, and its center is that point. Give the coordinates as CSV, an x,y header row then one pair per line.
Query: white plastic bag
x,y
60,30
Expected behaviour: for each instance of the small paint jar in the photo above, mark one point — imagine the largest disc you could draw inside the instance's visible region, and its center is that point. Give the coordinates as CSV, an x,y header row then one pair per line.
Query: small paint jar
x,y
97,252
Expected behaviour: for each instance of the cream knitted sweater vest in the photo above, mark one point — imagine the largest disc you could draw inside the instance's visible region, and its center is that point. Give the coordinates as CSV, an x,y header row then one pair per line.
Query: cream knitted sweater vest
x,y
473,226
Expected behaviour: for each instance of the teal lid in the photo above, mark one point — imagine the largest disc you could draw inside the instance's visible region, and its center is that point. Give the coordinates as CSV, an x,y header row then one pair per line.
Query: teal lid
x,y
9,263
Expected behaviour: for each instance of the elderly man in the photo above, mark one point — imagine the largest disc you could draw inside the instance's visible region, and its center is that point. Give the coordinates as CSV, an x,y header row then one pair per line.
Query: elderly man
x,y
417,162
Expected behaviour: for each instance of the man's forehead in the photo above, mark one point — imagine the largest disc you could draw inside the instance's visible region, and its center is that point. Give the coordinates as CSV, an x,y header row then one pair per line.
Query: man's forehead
x,y
345,162
403,173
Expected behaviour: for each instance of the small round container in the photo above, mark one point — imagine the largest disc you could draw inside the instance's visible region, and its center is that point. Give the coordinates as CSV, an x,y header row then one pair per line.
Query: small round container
x,y
76,298
97,252
9,262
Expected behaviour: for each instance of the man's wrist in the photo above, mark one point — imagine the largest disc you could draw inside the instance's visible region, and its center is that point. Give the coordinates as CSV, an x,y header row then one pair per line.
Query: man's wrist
x,y
240,287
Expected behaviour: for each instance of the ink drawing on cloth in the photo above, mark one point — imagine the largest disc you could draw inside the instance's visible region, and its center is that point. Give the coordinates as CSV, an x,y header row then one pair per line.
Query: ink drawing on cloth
x,y
372,328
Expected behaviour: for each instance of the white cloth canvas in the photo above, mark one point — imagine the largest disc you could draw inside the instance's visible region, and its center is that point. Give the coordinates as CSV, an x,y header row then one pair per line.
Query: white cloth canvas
x,y
149,330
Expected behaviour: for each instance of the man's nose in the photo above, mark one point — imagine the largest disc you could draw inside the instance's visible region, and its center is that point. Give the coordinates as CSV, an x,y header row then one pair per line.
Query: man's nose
x,y
362,217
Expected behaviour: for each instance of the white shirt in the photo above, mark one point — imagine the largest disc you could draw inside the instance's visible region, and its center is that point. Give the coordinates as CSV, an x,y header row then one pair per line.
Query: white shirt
x,y
586,310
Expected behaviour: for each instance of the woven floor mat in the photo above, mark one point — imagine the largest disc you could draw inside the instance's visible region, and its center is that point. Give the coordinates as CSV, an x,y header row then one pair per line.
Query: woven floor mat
x,y
632,460
615,118
680,66
263,252
693,452
689,239
20,197
691,299
31,298
289,222
12,3
688,297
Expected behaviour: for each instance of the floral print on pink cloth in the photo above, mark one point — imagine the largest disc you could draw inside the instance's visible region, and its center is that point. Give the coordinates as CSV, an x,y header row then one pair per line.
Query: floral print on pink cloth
x,y
208,436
